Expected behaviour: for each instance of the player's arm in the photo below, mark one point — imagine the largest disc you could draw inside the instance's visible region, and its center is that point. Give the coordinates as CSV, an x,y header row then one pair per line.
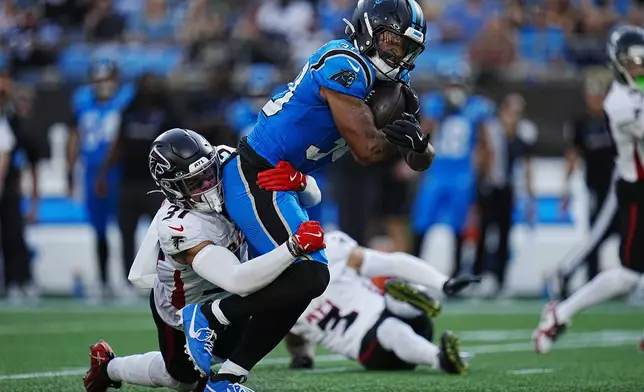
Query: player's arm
x,y
73,146
222,268
355,123
407,134
7,143
483,151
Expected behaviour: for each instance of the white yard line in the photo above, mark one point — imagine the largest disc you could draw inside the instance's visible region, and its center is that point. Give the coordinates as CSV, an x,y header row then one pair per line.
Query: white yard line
x,y
525,372
572,341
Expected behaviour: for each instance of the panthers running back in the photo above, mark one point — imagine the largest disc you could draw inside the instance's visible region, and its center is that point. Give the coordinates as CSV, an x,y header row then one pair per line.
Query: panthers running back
x,y
391,332
97,110
623,107
201,256
318,119
447,190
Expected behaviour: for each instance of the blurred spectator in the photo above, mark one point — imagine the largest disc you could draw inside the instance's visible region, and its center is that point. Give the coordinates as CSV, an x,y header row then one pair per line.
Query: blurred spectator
x,y
331,13
587,44
148,116
34,42
67,13
208,109
383,204
202,23
446,193
17,267
254,84
495,47
155,24
509,138
541,44
97,109
288,18
8,16
464,20
589,138
253,46
102,23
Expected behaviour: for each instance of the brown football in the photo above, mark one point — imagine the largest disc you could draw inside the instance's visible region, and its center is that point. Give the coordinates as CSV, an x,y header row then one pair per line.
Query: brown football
x,y
387,102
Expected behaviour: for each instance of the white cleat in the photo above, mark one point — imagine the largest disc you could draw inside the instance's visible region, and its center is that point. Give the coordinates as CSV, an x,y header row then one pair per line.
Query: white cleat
x,y
548,330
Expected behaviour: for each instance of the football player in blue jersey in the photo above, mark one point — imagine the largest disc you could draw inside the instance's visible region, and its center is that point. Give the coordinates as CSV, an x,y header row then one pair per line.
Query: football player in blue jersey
x,y
320,117
447,191
97,109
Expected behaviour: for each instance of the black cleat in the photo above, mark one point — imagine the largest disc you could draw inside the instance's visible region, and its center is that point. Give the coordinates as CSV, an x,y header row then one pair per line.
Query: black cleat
x,y
302,362
449,357
415,296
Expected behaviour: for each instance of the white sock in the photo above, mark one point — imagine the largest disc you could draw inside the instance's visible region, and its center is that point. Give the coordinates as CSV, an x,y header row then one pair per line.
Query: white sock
x,y
232,368
606,285
396,336
218,313
145,369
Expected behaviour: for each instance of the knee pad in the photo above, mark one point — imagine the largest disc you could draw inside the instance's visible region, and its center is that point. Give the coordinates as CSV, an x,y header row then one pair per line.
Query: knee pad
x,y
315,278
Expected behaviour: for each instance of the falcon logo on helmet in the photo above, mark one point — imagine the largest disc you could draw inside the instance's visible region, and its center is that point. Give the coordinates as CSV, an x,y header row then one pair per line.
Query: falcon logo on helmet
x,y
186,168
158,164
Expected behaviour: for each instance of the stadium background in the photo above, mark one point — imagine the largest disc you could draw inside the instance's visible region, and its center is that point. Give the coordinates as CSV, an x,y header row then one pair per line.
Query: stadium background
x,y
231,55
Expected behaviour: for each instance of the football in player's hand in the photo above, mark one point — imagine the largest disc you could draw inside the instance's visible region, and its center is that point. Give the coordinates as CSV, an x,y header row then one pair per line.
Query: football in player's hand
x,y
388,102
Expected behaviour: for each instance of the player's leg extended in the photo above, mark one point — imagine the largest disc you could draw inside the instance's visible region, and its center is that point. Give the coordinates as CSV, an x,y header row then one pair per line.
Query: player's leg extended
x,y
460,204
169,367
98,214
393,344
608,284
424,212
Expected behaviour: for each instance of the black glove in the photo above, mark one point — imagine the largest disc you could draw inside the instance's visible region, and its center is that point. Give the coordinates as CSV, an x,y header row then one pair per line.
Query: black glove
x,y
412,100
456,285
406,133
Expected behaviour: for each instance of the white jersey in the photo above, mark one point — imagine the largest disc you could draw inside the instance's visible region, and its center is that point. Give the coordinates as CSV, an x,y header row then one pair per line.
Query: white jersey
x,y
624,108
347,310
179,230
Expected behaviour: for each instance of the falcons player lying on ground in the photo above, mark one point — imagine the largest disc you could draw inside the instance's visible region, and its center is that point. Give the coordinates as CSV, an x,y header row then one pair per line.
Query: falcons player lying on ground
x,y
390,332
201,257
623,107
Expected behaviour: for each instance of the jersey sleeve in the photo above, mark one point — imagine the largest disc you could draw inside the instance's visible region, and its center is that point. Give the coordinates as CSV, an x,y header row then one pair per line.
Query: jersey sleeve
x,y
342,70
338,247
179,231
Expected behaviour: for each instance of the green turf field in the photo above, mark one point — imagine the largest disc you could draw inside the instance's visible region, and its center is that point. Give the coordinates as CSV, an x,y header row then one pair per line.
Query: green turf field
x,y
45,349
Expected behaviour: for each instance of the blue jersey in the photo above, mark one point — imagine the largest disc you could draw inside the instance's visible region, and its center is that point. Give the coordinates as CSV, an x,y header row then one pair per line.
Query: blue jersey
x,y
297,125
242,116
98,122
456,136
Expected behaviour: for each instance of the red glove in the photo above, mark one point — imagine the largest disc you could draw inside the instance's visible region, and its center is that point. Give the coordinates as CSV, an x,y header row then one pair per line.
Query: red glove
x,y
283,178
308,238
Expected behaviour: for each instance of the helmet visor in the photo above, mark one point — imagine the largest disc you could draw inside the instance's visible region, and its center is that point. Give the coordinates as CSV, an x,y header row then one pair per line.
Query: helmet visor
x,y
206,179
397,50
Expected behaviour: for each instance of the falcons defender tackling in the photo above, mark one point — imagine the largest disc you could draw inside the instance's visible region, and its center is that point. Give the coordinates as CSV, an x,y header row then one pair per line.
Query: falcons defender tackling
x,y
623,106
200,256
391,332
